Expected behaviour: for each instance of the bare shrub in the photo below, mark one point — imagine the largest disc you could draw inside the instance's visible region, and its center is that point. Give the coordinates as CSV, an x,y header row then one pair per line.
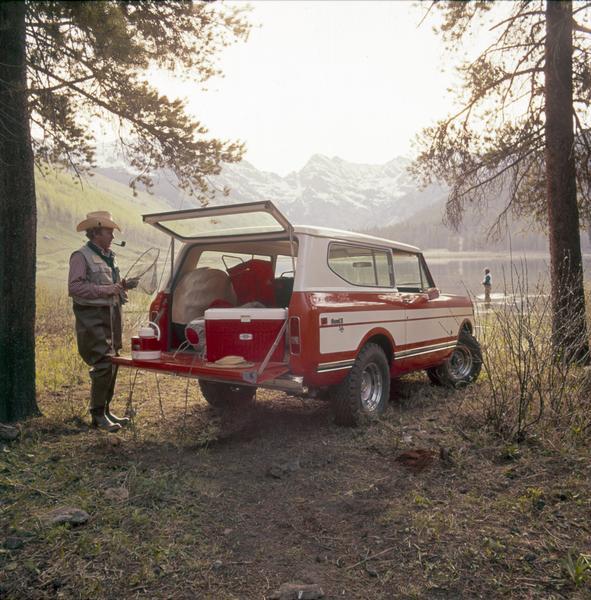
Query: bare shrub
x,y
527,384
59,369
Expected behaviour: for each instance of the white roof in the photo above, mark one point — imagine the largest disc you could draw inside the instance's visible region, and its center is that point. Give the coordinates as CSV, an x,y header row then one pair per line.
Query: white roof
x,y
350,236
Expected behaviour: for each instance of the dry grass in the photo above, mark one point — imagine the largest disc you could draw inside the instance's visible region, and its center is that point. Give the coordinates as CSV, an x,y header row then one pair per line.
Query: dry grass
x,y
200,515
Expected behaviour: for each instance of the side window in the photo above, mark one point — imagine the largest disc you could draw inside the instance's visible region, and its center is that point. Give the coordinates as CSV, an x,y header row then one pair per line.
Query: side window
x,y
425,275
410,274
360,265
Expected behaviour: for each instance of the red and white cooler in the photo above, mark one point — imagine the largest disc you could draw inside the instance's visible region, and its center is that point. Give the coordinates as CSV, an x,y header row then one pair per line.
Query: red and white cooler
x,y
247,332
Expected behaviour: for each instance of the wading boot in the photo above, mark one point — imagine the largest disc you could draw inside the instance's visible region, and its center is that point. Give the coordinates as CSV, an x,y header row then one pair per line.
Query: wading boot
x,y
101,421
122,421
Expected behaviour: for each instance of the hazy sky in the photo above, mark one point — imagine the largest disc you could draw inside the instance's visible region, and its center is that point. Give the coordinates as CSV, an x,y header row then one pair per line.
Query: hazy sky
x,y
351,79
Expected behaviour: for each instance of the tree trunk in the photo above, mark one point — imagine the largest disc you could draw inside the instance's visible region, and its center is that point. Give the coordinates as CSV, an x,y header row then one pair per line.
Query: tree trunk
x,y
569,326
18,224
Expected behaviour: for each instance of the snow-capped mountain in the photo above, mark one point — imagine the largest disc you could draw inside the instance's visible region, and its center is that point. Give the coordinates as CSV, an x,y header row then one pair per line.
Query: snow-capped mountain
x,y
332,192
329,192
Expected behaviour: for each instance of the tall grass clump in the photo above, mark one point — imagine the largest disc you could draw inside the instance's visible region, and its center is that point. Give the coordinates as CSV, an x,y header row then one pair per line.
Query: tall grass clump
x,y
527,385
59,369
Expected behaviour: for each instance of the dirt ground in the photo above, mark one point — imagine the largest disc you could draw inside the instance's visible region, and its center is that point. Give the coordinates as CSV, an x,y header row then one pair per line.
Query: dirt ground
x,y
192,504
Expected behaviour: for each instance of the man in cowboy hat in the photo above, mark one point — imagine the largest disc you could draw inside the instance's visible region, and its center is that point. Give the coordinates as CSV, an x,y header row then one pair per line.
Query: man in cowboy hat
x,y
96,287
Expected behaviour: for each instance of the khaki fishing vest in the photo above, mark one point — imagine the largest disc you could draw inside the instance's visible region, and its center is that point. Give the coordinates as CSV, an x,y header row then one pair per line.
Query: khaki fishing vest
x,y
99,272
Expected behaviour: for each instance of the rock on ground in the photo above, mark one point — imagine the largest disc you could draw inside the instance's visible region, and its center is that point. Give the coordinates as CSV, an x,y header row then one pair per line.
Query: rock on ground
x,y
298,591
280,470
8,433
117,494
65,514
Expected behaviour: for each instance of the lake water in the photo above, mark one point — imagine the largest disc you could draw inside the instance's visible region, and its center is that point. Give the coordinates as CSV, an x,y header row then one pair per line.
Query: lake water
x,y
461,274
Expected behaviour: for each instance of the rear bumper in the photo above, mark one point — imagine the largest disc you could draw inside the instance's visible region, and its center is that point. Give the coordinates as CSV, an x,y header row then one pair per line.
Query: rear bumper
x,y
190,365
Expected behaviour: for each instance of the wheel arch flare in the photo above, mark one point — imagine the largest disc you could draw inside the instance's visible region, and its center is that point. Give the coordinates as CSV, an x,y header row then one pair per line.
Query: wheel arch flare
x,y
382,339
467,327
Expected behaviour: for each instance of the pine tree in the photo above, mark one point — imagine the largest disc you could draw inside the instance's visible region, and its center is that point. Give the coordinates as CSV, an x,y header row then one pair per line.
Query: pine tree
x,y
63,64
520,132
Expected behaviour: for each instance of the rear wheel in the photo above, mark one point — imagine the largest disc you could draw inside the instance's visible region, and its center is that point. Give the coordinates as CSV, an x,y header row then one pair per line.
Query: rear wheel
x,y
462,367
225,395
364,393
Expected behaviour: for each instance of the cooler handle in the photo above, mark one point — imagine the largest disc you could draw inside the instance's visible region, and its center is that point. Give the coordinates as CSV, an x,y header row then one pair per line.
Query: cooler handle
x,y
155,326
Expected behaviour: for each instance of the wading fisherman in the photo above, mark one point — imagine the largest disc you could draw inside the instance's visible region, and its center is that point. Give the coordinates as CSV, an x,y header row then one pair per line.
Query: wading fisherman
x,y
487,284
96,287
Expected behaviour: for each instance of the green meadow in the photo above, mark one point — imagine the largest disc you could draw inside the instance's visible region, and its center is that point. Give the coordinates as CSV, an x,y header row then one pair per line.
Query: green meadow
x,y
64,200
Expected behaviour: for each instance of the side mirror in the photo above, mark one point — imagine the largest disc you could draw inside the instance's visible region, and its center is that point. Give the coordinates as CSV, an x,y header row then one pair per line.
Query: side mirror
x,y
433,293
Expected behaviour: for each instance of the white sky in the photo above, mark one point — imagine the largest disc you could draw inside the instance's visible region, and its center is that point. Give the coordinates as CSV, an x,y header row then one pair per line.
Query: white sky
x,y
354,79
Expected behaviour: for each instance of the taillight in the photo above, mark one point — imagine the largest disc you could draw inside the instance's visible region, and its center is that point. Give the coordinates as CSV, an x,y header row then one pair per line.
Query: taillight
x,y
294,335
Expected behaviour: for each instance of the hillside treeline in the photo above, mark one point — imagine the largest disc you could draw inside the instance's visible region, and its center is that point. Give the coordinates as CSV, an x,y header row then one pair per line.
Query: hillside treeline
x,y
477,233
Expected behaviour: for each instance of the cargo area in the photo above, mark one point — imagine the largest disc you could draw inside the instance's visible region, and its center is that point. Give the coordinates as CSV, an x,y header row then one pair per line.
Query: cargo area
x,y
204,321
224,301
227,297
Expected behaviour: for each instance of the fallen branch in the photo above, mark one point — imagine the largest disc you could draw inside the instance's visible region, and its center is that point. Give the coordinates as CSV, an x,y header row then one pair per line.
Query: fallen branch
x,y
370,558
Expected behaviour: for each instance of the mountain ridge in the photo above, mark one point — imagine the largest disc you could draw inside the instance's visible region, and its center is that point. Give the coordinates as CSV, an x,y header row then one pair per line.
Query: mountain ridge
x,y
326,191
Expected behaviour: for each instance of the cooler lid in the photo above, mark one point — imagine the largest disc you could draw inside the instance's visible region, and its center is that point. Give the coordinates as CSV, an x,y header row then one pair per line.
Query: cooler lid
x,y
250,314
247,221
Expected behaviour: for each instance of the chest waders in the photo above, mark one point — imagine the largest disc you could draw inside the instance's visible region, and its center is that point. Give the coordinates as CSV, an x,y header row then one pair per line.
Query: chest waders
x,y
98,334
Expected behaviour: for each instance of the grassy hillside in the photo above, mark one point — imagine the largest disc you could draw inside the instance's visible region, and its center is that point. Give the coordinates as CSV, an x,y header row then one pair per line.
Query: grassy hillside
x,y
62,202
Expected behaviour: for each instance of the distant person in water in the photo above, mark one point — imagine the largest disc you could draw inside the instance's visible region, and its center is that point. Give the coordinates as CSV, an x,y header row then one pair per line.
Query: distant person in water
x,y
487,284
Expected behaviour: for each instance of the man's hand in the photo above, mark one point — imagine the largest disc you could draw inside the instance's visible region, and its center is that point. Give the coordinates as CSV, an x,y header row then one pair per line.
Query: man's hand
x,y
114,289
131,283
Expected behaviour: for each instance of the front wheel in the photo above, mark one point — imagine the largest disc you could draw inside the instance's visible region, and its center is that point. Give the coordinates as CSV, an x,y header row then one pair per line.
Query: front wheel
x,y
225,395
462,367
365,391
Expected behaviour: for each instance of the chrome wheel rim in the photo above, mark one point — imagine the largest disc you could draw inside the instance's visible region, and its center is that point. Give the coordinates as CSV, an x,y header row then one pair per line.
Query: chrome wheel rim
x,y
460,363
371,388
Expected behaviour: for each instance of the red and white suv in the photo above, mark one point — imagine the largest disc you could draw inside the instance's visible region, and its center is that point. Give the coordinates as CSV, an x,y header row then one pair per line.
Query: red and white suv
x,y
256,302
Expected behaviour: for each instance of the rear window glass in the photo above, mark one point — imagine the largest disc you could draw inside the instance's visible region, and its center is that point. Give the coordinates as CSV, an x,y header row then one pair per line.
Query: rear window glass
x,y
361,265
203,226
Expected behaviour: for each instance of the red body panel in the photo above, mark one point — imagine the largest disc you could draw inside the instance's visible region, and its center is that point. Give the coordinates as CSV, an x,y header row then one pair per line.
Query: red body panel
x,y
159,314
308,306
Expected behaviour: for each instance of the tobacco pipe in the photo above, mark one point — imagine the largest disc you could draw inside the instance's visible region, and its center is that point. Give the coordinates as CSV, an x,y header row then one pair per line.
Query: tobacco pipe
x,y
122,244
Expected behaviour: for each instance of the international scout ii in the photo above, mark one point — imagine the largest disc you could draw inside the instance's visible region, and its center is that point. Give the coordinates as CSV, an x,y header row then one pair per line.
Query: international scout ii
x,y
256,302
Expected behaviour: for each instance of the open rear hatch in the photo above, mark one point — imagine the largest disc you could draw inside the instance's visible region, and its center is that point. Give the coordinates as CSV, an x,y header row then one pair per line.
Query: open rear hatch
x,y
237,222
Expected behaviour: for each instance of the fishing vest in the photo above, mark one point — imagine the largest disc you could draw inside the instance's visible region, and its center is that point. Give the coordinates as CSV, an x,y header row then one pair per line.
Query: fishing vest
x,y
99,272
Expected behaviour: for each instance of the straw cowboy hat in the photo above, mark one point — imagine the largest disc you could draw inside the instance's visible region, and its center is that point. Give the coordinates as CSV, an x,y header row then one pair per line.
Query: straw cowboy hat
x,y
99,218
